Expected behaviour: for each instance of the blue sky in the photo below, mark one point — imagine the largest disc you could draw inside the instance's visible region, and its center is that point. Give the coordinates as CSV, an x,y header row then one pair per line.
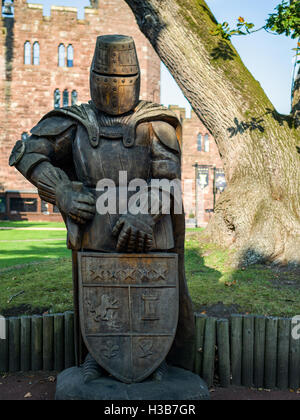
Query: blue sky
x,y
268,57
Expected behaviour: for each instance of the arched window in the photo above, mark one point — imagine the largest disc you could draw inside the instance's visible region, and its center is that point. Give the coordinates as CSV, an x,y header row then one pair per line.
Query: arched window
x,y
199,142
65,97
61,55
70,56
36,54
56,98
206,143
27,53
74,97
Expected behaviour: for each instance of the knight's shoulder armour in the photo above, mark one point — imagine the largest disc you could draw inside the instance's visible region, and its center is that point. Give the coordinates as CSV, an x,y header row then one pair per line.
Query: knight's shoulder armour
x,y
59,120
166,134
52,126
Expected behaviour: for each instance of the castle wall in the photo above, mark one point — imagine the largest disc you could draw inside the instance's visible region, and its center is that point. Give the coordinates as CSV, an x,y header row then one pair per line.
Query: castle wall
x,y
198,200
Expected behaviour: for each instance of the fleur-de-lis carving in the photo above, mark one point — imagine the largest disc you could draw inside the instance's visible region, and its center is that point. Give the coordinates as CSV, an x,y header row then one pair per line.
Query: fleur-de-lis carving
x,y
110,350
145,348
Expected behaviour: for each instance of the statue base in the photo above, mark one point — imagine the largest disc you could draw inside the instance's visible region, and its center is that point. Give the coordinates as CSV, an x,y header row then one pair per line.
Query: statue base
x,y
177,384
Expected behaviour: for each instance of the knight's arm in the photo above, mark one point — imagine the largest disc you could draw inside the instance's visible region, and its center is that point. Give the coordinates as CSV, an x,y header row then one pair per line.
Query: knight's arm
x,y
166,151
164,188
41,157
166,169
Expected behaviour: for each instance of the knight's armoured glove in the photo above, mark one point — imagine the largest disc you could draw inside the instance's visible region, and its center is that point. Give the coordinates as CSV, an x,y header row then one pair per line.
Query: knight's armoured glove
x,y
135,233
79,204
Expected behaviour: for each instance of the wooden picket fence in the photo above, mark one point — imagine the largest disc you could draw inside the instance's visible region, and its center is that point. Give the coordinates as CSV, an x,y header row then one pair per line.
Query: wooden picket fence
x,y
38,343
247,350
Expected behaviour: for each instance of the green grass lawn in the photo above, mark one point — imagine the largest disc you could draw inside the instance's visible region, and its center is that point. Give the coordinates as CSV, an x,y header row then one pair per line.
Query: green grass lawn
x,y
259,289
19,247
24,224
38,264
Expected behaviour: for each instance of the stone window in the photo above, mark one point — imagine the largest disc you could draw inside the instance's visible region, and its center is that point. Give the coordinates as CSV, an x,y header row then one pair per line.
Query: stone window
x,y
23,205
199,142
27,53
61,55
56,98
65,97
74,97
70,56
206,143
2,205
36,54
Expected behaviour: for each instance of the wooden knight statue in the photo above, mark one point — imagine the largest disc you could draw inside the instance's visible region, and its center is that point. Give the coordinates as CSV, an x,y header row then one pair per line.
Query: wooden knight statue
x,y
133,314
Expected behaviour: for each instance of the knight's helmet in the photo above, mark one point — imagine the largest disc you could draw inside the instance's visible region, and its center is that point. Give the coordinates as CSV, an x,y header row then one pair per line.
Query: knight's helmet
x,y
115,75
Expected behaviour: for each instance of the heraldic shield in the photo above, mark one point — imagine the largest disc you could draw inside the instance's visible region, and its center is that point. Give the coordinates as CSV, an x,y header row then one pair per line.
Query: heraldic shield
x,y
129,307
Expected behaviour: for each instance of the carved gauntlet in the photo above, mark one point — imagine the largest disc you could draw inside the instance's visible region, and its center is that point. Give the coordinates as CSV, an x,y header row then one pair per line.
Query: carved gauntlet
x,y
135,233
77,203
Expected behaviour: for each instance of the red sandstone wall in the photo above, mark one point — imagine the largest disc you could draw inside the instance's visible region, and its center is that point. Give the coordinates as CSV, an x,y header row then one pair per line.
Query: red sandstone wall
x,y
190,156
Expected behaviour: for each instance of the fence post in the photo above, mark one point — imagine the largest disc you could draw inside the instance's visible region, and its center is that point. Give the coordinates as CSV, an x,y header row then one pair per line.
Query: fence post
x,y
209,351
236,348
37,342
223,352
69,340
200,320
4,360
259,351
271,352
14,344
294,363
48,342
25,343
284,333
59,357
248,351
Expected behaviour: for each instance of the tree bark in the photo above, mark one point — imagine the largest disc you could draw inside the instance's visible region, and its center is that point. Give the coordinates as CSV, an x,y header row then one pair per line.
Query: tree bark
x,y
296,100
259,212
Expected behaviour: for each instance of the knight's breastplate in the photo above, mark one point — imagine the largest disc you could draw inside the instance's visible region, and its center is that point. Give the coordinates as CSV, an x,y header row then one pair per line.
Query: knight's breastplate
x,y
113,161
109,158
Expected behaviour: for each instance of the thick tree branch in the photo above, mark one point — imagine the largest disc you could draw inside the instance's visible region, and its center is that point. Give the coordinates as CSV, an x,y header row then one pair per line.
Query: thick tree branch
x,y
259,210
296,100
222,92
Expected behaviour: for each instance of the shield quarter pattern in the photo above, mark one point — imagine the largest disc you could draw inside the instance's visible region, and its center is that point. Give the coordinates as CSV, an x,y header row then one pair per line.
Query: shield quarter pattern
x,y
128,310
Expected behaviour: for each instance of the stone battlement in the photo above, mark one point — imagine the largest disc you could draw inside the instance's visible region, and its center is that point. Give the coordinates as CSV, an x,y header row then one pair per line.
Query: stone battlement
x,y
33,10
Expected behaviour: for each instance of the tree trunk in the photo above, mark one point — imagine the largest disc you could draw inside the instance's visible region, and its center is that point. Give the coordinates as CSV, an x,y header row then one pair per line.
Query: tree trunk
x,y
259,212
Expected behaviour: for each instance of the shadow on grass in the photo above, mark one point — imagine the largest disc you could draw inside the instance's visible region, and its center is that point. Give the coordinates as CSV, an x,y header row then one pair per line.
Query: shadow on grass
x,y
30,253
198,272
194,264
